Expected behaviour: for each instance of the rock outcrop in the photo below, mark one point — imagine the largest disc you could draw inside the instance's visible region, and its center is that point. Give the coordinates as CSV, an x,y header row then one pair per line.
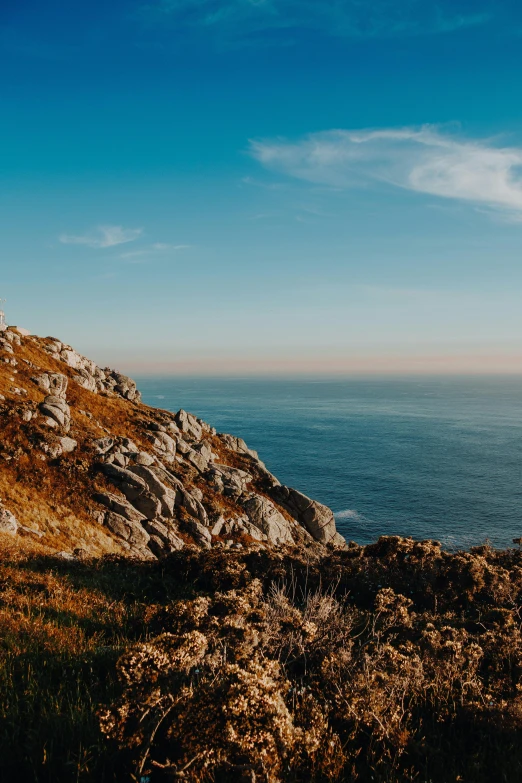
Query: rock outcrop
x,y
127,477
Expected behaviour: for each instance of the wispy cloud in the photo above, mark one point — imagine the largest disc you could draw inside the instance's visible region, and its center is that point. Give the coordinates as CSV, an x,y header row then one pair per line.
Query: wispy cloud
x,y
425,160
155,249
103,237
236,19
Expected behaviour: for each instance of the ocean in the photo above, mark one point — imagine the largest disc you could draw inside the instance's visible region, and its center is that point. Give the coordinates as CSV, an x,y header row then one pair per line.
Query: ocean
x,y
437,458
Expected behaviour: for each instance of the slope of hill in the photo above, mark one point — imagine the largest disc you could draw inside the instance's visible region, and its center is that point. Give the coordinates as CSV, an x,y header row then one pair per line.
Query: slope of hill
x,y
87,468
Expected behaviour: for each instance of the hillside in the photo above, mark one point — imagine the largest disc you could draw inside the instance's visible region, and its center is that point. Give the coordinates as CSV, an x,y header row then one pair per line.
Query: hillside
x,y
88,469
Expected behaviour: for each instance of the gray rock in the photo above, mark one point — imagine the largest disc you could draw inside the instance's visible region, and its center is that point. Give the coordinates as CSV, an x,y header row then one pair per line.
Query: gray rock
x,y
165,533
200,532
316,518
264,515
149,505
132,532
204,449
165,495
68,444
253,531
154,426
188,424
158,547
237,444
121,460
86,381
102,445
126,445
232,482
53,347
135,490
142,458
8,522
218,527
125,477
197,460
194,507
120,506
183,447
163,444
12,336
125,386
57,409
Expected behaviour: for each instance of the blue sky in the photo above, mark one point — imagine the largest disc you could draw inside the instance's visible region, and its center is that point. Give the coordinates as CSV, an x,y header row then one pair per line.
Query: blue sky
x,y
265,185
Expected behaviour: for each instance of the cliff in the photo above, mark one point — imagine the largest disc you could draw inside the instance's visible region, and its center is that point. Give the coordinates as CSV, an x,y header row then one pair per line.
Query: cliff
x,y
88,469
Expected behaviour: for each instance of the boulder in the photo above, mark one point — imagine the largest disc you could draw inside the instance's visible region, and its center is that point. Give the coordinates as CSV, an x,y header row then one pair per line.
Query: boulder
x,y
200,533
135,490
218,526
125,386
237,444
54,346
316,518
164,533
142,458
102,445
188,424
118,459
67,444
13,336
132,532
165,495
197,460
57,409
52,383
194,507
86,381
163,444
8,522
120,506
231,482
126,445
265,517
158,546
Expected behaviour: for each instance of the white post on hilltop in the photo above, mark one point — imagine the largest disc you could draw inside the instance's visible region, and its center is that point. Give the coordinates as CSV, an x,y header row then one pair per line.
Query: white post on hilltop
x,y
3,325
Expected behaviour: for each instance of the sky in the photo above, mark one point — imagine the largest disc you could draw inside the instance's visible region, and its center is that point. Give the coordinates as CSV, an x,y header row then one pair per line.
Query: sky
x,y
265,186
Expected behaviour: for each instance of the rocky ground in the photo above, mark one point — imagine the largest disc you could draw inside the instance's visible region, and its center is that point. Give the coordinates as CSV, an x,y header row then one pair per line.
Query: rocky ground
x,y
87,468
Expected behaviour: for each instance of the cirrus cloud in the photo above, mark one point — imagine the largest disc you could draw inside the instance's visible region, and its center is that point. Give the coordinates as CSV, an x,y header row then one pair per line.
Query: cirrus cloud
x,y
425,160
103,237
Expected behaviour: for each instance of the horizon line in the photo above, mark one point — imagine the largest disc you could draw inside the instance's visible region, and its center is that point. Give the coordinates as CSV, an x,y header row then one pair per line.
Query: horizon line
x,y
506,365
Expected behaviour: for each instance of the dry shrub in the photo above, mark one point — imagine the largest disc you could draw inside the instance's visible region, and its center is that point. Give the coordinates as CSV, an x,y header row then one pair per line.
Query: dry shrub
x,y
213,700
301,678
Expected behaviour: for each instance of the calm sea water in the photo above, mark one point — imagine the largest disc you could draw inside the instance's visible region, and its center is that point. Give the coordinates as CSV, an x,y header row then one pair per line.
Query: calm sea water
x,y
429,458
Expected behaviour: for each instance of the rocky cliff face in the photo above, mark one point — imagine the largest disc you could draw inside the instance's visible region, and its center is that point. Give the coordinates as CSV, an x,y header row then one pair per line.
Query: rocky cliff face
x,y
86,468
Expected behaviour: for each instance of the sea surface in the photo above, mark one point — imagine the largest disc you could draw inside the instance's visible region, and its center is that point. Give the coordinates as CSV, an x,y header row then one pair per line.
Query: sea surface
x,y
423,457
